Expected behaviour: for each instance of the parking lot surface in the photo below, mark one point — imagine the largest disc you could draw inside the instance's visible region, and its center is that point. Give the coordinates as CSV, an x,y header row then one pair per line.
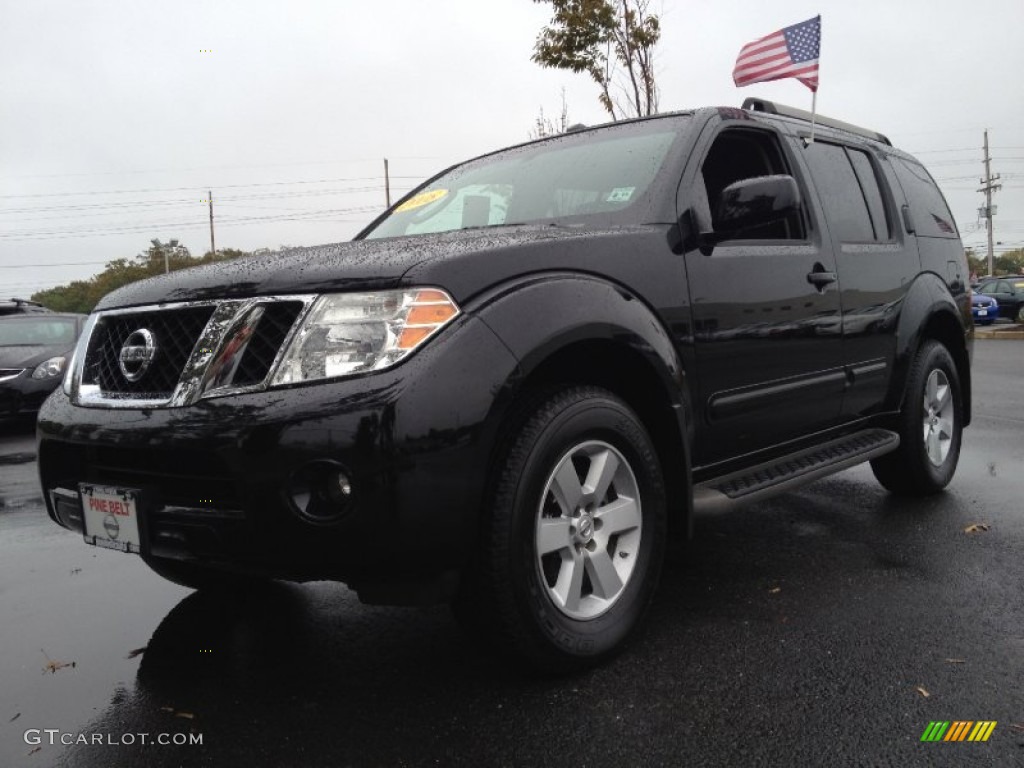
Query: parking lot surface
x,y
829,626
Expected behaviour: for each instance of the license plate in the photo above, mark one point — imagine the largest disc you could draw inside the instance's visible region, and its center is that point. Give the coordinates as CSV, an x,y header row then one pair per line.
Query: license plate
x,y
111,517
982,312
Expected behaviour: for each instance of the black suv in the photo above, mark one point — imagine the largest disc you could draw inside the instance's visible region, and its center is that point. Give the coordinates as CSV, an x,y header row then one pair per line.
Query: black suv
x,y
514,382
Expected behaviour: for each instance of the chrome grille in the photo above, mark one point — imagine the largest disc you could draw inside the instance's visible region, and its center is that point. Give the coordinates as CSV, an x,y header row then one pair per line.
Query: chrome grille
x,y
175,333
273,327
202,349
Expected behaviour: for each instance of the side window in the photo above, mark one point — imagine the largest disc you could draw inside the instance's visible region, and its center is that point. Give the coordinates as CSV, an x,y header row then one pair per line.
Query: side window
x,y
1004,287
745,154
987,287
840,192
869,185
931,214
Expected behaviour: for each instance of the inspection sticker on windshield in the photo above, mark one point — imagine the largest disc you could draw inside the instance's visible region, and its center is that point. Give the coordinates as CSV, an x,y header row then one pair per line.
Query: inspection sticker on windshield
x,y
423,198
620,195
110,517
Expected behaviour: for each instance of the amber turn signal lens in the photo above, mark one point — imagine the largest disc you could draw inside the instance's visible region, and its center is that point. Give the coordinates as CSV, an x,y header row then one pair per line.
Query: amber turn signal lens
x,y
428,312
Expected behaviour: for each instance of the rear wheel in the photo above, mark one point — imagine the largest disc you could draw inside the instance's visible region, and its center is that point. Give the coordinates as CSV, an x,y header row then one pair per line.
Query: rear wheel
x,y
575,538
930,427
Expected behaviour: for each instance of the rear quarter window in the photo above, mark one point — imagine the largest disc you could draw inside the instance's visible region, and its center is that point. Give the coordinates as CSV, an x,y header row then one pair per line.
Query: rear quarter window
x,y
927,206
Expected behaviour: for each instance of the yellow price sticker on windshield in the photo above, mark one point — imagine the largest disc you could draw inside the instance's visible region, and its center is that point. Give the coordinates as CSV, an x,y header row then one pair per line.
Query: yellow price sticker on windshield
x,y
423,198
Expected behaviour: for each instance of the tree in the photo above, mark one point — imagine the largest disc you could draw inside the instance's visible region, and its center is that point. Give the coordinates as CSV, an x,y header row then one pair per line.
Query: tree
x,y
544,127
610,40
1007,263
83,295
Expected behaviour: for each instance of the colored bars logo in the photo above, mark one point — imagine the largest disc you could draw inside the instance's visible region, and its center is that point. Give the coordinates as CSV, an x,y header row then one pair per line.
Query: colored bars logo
x,y
958,730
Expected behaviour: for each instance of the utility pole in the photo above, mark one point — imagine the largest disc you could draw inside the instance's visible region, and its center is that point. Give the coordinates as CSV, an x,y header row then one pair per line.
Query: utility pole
x,y
387,184
213,247
988,187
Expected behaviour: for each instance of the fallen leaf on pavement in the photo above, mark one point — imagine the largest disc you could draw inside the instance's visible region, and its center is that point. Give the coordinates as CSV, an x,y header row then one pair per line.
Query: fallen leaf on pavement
x,y
52,666
976,528
187,715
14,718
136,652
957,661
35,750
775,590
923,692
1017,726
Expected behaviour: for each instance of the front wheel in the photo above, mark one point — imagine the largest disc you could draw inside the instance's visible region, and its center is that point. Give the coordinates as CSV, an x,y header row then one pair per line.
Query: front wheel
x,y
930,427
575,536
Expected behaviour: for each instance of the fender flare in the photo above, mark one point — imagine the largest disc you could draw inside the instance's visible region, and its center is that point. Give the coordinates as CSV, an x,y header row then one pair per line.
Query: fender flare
x,y
929,304
539,316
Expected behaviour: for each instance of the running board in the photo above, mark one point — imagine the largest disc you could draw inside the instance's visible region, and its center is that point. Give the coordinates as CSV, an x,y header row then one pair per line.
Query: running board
x,y
792,471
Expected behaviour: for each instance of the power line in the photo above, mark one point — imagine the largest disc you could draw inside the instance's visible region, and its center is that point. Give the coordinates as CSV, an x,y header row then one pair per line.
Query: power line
x,y
215,168
198,187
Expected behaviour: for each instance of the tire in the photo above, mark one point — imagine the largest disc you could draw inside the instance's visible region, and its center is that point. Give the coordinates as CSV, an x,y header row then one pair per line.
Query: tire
x,y
1020,314
566,568
195,576
930,427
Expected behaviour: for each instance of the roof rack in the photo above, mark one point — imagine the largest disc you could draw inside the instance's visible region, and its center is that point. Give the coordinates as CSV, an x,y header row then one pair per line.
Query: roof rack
x,y
771,108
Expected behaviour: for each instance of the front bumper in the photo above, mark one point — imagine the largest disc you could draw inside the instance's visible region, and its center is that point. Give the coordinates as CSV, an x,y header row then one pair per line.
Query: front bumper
x,y
415,441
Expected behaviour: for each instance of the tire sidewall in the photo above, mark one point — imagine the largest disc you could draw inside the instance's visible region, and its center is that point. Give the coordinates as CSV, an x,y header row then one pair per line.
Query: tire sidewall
x,y
607,420
934,356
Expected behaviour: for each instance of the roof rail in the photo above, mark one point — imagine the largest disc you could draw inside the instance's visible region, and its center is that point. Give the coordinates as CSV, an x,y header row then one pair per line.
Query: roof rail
x,y
771,108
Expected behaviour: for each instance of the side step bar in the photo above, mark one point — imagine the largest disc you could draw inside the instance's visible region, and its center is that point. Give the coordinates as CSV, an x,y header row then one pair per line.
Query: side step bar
x,y
792,471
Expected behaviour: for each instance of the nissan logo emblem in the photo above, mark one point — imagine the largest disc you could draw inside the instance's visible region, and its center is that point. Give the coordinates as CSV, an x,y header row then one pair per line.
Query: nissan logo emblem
x,y
136,355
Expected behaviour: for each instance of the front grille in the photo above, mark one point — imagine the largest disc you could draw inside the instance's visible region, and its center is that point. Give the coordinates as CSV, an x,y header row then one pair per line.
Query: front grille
x,y
175,332
273,327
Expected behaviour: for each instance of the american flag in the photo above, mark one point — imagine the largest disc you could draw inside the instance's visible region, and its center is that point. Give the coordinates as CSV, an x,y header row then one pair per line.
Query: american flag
x,y
790,52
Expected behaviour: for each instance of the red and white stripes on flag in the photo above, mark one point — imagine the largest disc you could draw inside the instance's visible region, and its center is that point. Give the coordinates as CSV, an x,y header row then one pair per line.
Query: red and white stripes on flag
x,y
790,52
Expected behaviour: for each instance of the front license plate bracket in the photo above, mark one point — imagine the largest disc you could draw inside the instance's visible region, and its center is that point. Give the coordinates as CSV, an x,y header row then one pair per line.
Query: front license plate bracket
x,y
110,517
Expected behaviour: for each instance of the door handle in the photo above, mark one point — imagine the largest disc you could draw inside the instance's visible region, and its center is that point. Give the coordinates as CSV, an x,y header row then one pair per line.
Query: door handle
x,y
819,277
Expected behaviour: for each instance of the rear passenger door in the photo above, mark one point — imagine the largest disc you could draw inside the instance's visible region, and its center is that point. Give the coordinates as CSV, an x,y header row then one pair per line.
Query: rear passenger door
x,y
767,338
876,261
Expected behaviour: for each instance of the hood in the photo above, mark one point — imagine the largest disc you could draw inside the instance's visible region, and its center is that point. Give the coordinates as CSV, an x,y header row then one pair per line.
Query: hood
x,y
463,262
29,356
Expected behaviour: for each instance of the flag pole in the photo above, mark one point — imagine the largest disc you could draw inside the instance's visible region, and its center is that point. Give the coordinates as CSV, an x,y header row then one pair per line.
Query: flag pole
x,y
814,109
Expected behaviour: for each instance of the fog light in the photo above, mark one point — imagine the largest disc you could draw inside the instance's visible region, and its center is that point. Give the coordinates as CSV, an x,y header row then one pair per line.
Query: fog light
x,y
320,492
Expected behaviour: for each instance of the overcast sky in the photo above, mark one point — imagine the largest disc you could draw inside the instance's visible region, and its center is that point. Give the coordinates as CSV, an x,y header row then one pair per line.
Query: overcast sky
x,y
117,117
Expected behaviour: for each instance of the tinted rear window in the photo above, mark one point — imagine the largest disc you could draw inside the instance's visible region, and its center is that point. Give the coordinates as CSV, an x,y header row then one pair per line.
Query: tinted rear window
x,y
927,207
840,193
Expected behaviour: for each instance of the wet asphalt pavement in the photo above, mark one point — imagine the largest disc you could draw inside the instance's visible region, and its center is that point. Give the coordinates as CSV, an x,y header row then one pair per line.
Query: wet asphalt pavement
x,y
826,627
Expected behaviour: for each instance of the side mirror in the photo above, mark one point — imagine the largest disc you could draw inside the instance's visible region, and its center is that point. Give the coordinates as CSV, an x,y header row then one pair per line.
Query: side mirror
x,y
750,203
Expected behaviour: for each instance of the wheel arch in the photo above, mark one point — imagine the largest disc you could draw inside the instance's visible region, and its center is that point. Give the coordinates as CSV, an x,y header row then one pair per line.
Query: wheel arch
x,y
931,312
603,336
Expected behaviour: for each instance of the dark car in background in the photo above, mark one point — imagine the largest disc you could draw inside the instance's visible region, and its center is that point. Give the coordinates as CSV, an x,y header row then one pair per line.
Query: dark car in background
x,y
1008,291
984,309
35,347
20,307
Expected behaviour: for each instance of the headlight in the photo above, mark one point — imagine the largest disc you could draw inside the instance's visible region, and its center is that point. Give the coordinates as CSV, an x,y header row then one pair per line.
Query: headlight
x,y
52,367
348,333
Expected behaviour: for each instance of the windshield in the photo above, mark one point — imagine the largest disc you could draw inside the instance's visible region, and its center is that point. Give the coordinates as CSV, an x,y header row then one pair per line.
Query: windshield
x,y
37,331
594,176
